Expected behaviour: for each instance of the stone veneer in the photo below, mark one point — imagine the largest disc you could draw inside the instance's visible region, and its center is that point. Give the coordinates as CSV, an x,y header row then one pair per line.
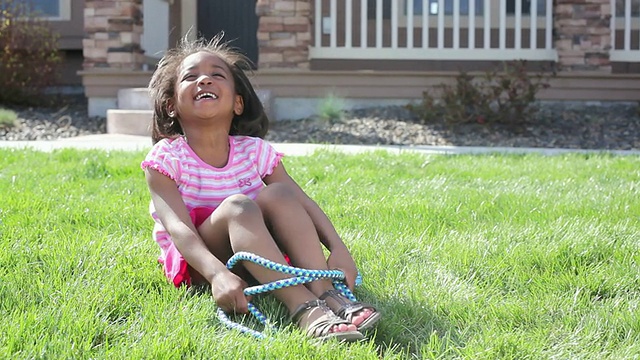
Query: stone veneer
x,y
583,35
284,33
113,31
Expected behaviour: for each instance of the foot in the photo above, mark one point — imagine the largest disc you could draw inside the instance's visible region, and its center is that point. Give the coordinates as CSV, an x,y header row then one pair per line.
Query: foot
x,y
363,316
318,321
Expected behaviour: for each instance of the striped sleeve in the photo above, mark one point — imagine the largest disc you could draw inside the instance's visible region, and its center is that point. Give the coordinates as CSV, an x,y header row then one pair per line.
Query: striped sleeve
x,y
162,159
267,157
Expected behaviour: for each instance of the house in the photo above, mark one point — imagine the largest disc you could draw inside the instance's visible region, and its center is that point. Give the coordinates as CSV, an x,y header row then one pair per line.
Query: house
x,y
367,51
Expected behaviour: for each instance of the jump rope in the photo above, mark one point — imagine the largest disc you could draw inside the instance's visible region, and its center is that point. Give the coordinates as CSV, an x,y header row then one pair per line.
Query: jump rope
x,y
301,276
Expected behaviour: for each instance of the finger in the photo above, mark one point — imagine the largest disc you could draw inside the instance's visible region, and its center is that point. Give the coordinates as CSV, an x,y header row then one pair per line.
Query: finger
x,y
348,279
351,281
242,305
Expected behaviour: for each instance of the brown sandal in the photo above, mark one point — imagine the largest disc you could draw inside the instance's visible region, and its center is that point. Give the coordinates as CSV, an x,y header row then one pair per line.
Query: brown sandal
x,y
321,327
348,309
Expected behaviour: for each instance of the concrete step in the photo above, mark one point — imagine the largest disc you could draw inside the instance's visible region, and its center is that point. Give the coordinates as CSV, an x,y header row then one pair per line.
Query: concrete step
x,y
134,99
129,122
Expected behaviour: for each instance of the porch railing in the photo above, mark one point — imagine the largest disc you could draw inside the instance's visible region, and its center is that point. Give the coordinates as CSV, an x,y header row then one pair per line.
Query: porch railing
x,y
433,30
625,31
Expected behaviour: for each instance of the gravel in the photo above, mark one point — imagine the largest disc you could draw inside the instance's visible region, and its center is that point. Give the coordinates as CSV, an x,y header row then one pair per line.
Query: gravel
x,y
68,118
571,125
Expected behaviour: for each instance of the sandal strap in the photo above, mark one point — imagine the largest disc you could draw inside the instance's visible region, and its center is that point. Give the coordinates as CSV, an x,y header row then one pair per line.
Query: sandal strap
x,y
347,309
307,305
320,327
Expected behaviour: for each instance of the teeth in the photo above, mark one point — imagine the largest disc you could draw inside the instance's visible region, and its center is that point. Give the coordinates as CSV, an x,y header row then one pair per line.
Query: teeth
x,y
200,96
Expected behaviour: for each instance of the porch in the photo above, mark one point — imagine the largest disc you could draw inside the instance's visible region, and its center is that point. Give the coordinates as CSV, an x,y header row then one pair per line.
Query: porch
x,y
391,51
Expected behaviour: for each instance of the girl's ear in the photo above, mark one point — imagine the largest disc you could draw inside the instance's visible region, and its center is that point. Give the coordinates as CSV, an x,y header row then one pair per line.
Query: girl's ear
x,y
238,105
171,109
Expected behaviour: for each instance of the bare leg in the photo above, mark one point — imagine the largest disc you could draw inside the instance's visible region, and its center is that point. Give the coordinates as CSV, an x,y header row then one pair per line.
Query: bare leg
x,y
296,235
238,225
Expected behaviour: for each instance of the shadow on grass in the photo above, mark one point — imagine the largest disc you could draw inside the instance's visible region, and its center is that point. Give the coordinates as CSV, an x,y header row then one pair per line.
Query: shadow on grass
x,y
406,326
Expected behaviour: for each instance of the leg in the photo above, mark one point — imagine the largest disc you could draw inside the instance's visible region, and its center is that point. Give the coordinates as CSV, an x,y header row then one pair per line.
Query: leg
x,y
238,225
296,235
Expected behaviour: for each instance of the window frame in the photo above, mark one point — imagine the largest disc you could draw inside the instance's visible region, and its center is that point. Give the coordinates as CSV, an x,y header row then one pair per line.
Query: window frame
x,y
64,7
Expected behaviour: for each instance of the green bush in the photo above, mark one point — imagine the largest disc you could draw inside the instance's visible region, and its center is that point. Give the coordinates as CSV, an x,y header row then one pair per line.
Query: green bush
x,y
331,108
504,96
29,54
8,119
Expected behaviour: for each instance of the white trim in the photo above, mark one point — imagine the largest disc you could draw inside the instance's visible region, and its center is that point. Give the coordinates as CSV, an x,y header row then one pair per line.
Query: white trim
x,y
425,54
624,56
155,34
189,19
495,15
627,22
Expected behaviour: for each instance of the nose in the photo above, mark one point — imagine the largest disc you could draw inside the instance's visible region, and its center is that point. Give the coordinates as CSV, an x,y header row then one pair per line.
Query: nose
x,y
204,80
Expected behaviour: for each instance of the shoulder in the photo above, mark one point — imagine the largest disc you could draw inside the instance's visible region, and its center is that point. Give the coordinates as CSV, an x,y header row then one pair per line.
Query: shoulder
x,y
169,144
166,157
167,147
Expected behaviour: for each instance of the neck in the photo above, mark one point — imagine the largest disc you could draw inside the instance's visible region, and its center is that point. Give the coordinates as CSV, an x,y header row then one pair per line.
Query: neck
x,y
211,147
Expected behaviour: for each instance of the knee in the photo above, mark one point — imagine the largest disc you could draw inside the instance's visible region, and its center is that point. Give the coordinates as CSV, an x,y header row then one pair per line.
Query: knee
x,y
236,206
276,194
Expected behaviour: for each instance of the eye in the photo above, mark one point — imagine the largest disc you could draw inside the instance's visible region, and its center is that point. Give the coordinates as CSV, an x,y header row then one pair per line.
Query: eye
x,y
220,75
189,77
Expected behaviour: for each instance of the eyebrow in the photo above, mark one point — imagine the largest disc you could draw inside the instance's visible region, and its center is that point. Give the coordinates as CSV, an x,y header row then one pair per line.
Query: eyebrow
x,y
195,66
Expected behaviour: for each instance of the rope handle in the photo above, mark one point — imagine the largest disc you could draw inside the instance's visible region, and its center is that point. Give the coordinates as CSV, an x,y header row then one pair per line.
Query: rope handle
x,y
301,276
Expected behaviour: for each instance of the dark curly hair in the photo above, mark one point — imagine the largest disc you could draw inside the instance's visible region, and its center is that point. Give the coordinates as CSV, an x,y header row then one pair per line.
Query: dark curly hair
x,y
252,122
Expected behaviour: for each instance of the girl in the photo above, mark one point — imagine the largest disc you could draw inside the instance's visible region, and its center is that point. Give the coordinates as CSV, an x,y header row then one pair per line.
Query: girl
x,y
217,188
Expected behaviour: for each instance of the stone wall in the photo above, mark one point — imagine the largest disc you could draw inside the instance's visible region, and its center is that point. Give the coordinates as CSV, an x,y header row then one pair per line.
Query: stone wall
x,y
583,35
113,31
284,33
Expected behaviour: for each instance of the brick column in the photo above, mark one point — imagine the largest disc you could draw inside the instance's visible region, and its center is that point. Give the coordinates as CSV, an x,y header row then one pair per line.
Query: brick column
x,y
113,31
583,36
284,33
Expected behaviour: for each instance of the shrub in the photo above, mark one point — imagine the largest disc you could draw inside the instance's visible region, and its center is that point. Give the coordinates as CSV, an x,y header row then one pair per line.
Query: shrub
x,y
8,119
504,96
29,56
331,108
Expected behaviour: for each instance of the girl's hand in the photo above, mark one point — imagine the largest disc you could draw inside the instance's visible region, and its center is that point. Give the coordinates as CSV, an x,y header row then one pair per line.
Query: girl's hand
x,y
227,290
340,259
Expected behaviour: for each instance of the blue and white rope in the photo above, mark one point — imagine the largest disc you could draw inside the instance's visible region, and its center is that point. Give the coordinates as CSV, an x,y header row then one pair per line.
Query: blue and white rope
x,y
301,276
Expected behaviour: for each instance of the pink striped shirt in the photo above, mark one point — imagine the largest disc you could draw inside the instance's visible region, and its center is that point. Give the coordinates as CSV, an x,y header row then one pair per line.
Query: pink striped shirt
x,y
202,185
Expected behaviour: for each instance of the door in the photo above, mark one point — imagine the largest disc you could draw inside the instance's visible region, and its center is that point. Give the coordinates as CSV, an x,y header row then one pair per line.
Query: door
x,y
238,20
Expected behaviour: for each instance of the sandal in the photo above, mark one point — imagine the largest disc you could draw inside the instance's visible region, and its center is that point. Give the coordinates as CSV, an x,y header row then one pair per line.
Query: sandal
x,y
321,327
348,309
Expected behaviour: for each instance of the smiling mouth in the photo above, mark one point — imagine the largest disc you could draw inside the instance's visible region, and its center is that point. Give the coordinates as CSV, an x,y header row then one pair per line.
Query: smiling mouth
x,y
206,95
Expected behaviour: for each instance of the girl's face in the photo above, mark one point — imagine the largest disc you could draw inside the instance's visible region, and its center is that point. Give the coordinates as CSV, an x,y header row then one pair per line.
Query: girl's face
x,y
205,89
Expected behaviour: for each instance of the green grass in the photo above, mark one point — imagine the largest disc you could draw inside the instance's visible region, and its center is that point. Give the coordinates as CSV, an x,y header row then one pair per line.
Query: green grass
x,y
474,257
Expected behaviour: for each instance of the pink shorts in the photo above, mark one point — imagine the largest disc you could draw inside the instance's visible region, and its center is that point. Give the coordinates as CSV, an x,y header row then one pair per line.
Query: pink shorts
x,y
175,266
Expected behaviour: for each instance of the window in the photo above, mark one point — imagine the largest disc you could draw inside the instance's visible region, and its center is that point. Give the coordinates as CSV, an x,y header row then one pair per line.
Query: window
x,y
52,9
371,9
448,7
479,4
620,8
526,7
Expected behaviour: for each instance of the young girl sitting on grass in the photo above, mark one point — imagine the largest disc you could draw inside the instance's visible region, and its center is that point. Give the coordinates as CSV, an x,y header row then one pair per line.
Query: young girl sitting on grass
x,y
217,188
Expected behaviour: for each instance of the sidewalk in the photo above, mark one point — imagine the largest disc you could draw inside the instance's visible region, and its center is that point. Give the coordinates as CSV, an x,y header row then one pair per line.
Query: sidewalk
x,y
133,143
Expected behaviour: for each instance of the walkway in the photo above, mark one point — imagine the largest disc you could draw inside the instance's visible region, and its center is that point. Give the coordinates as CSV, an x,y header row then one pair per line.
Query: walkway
x,y
134,143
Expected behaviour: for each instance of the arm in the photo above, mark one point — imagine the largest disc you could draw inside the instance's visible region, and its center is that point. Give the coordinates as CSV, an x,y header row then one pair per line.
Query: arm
x,y
174,216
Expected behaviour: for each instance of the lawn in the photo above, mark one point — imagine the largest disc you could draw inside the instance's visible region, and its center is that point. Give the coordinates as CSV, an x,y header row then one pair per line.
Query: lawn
x,y
468,256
